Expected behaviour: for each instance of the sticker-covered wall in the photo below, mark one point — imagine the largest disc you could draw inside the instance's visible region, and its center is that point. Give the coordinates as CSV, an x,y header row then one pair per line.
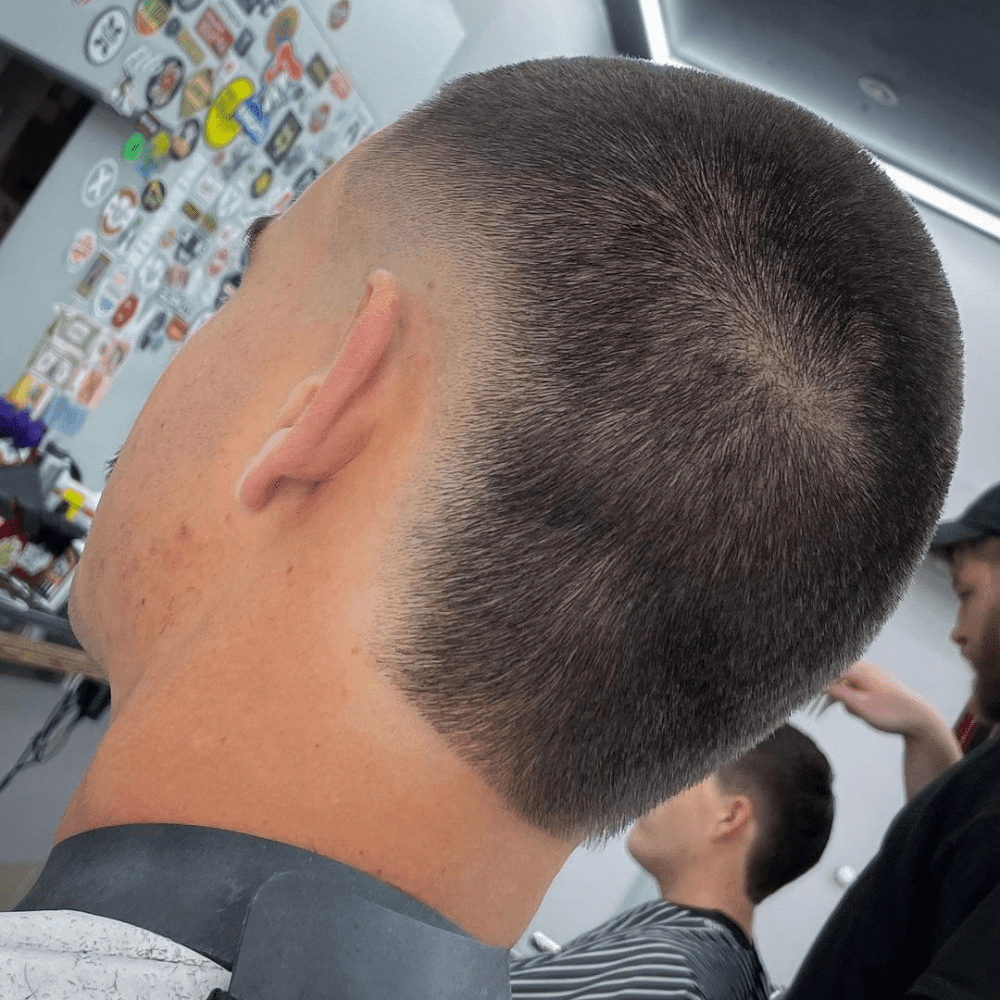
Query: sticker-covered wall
x,y
221,111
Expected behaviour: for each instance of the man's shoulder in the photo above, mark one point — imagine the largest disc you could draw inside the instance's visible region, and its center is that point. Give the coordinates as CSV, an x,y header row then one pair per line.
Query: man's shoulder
x,y
66,952
676,947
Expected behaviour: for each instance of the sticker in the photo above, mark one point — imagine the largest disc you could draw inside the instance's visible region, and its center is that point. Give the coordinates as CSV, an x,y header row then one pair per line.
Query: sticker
x,y
318,70
119,212
65,417
84,244
281,142
176,276
303,181
165,82
220,128
54,367
99,182
215,32
228,289
339,84
193,50
191,211
148,125
125,311
241,152
319,118
185,139
197,93
218,261
132,148
168,239
293,161
176,302
253,120
152,195
279,93
123,97
92,388
111,293
261,183
94,274
31,393
151,273
106,36
155,154
338,14
229,204
113,354
207,189
176,328
142,246
209,222
283,28
151,15
186,6
243,42
284,62
151,336
190,247
172,27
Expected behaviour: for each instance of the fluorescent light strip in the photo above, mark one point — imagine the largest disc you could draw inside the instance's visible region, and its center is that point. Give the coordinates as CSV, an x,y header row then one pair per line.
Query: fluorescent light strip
x,y
929,194
944,202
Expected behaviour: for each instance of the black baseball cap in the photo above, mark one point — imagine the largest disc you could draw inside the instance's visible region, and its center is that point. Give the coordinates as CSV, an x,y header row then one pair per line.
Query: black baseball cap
x,y
980,519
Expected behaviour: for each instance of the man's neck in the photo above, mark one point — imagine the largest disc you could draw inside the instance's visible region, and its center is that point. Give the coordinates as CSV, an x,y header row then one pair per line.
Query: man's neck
x,y
347,772
710,893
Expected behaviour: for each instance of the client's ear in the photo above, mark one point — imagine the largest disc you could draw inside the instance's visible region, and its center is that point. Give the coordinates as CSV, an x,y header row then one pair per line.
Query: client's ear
x,y
329,416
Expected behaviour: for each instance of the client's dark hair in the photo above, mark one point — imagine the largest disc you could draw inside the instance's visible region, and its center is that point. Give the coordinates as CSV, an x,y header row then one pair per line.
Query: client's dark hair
x,y
789,781
710,402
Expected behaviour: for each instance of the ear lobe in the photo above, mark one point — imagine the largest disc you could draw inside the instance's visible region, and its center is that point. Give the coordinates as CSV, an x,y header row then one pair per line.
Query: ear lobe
x,y
328,419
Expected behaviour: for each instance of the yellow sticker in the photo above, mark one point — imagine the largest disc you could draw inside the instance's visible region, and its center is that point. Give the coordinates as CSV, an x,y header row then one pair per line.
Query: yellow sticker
x,y
220,127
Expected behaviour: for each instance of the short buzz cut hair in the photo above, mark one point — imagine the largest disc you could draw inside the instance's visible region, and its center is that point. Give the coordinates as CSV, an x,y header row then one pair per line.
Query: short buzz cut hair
x,y
790,783
709,408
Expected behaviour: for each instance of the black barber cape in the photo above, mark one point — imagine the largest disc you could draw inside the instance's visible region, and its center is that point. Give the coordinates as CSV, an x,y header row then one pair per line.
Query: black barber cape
x,y
923,920
286,922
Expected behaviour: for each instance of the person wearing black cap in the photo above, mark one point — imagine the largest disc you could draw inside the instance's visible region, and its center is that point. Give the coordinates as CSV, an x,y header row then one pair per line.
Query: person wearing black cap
x,y
922,919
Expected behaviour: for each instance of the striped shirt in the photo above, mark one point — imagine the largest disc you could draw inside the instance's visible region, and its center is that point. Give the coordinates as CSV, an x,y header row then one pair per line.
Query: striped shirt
x,y
652,952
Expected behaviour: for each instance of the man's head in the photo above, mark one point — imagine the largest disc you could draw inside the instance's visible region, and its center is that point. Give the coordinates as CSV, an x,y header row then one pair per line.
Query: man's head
x,y
971,547
601,409
767,815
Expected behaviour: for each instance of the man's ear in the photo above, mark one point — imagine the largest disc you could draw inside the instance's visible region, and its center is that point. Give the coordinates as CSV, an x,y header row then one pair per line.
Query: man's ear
x,y
737,817
327,419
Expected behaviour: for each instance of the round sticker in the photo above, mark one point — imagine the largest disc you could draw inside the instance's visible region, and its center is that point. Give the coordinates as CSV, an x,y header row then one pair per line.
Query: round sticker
x,y
111,293
125,311
165,82
99,182
319,118
153,195
151,15
184,141
83,246
172,28
283,28
338,14
119,212
261,183
107,36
